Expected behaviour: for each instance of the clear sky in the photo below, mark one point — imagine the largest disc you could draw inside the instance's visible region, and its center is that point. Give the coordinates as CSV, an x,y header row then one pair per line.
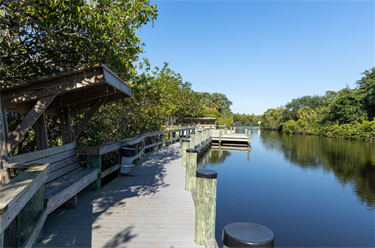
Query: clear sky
x,y
262,54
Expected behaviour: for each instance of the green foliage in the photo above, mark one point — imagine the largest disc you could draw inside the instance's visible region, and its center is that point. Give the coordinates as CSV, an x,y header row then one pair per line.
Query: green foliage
x,y
246,120
40,37
346,114
272,118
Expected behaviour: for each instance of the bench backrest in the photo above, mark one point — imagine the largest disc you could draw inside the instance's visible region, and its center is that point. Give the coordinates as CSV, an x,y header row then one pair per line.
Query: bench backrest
x,y
62,159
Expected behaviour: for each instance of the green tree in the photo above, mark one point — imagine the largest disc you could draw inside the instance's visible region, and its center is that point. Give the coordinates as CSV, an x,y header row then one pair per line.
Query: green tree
x,y
40,37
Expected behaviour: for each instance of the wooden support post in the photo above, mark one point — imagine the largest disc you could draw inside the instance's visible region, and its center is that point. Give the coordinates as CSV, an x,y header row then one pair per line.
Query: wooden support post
x,y
136,152
161,137
71,203
246,131
40,129
220,134
191,167
2,240
192,140
169,137
226,129
79,127
234,129
143,146
245,234
4,172
205,205
66,126
200,137
185,145
95,162
28,121
204,135
154,141
28,216
173,136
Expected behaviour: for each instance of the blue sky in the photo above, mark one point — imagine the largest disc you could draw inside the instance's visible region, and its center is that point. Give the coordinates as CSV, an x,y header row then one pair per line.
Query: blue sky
x,y
262,54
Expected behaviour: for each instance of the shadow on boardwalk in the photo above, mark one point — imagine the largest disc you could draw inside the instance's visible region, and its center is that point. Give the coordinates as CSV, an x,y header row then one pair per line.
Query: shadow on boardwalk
x,y
99,219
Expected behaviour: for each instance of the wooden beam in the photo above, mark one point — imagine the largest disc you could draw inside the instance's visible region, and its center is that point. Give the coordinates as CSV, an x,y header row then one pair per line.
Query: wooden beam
x,y
72,98
4,172
116,82
28,121
41,90
66,126
40,129
79,127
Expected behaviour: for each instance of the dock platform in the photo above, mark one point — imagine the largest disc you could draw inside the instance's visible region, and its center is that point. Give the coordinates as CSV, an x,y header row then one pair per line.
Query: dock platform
x,y
231,138
148,208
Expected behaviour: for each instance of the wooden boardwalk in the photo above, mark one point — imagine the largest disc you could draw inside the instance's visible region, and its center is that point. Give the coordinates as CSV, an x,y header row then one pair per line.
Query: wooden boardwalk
x,y
148,208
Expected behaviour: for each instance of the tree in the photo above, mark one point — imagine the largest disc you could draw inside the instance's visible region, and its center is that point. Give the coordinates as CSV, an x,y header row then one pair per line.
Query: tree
x,y
40,37
366,87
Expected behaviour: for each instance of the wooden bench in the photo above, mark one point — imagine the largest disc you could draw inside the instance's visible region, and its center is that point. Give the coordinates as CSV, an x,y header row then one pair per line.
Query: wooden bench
x,y
64,181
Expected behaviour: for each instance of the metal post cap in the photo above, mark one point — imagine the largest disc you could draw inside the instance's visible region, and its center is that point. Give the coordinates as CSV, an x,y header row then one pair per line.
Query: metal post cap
x,y
244,234
191,151
211,174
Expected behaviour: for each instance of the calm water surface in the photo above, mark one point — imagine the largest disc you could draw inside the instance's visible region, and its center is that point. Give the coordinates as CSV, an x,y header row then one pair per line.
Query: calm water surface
x,y
310,191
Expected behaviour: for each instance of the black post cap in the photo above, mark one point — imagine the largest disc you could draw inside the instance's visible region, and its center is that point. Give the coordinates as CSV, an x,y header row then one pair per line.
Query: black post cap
x,y
191,151
211,174
244,234
200,131
186,141
192,132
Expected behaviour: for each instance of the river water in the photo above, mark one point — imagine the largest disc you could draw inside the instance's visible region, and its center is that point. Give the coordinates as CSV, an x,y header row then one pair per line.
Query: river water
x,y
310,191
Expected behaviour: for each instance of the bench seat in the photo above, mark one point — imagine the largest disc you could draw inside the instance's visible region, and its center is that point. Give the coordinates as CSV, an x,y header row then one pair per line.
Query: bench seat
x,y
65,187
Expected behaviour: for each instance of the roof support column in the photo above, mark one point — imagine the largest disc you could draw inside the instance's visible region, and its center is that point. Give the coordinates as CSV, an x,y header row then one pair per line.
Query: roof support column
x,y
4,173
65,125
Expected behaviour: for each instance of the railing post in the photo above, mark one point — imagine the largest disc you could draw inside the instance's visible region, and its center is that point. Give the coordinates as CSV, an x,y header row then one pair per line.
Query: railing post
x,y
153,142
205,205
246,131
143,145
185,145
161,138
234,129
169,137
182,138
200,137
226,129
220,134
173,136
95,162
204,135
244,234
191,167
28,216
192,140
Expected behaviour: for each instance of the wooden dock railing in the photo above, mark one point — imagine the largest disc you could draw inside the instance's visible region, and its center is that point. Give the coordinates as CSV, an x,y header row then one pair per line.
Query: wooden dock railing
x,y
94,154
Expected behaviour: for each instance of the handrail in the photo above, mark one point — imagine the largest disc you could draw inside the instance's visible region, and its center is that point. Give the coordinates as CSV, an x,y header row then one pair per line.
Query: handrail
x,y
19,191
110,147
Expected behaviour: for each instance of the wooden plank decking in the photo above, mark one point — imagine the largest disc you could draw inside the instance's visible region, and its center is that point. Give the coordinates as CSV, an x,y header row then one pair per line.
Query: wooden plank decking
x,y
148,208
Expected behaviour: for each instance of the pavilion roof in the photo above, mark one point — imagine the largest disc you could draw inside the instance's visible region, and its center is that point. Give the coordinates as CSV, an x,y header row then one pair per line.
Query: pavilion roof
x,y
74,89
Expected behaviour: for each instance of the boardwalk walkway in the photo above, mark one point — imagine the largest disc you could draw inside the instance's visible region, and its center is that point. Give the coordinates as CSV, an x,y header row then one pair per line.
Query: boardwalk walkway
x,y
149,208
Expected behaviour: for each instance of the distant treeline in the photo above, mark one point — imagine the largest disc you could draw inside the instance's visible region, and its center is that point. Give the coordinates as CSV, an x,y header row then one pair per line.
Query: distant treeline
x,y
348,113
246,120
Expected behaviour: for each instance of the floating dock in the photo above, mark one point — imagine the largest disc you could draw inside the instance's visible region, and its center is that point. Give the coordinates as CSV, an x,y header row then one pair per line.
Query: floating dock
x,y
230,138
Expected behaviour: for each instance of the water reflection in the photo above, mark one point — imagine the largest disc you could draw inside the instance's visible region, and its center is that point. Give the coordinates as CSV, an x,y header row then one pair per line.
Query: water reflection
x,y
352,162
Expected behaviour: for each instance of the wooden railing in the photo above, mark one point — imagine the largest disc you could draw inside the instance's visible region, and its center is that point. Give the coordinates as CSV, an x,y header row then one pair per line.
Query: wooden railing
x,y
18,193
94,154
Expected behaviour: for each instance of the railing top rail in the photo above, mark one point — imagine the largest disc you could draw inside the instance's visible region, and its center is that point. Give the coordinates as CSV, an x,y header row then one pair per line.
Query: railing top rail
x,y
110,147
